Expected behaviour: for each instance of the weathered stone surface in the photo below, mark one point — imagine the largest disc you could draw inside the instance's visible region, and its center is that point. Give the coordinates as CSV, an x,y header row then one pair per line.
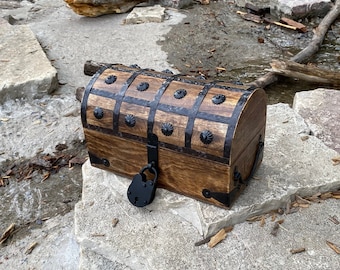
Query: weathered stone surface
x,y
38,127
56,247
146,14
300,8
292,164
257,3
320,109
25,69
95,8
175,3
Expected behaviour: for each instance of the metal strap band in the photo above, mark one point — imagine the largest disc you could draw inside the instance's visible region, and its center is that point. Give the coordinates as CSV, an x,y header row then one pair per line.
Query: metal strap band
x,y
155,102
231,127
86,95
194,111
119,98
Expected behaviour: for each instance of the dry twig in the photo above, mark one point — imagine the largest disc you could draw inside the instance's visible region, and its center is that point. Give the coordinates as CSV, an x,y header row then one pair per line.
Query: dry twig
x,y
8,232
334,247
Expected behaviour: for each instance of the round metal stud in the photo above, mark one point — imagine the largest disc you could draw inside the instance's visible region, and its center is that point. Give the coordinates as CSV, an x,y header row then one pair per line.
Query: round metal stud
x,y
206,193
130,120
143,86
168,71
167,129
206,136
110,79
218,99
134,66
106,163
180,93
98,113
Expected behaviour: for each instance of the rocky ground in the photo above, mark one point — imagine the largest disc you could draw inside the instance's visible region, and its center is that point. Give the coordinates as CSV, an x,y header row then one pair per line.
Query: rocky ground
x,y
207,38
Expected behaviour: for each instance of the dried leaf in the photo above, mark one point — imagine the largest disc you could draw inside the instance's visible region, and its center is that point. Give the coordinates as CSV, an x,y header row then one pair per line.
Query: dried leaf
x,y
263,221
302,200
76,161
334,219
280,221
221,69
217,238
254,218
336,195
336,160
304,205
31,247
207,239
8,232
299,250
46,176
333,246
326,195
115,222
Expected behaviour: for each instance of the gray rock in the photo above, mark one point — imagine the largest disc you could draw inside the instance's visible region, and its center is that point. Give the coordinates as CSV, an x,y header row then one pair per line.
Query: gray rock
x,y
25,69
176,3
162,234
320,109
146,14
260,3
56,247
94,8
300,8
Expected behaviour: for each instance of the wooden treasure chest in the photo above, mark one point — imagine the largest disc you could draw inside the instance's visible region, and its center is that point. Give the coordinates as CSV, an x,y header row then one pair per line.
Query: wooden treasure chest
x,y
200,138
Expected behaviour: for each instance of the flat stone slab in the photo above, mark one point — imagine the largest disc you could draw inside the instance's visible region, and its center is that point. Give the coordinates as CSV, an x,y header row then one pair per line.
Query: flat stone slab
x,y
146,14
56,246
170,244
321,110
25,69
294,163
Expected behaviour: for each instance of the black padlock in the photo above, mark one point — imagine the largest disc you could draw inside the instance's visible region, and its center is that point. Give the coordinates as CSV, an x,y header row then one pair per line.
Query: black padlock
x,y
141,191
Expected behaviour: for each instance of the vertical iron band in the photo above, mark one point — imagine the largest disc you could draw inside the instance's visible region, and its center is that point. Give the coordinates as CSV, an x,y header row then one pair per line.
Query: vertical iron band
x,y
231,127
156,100
193,112
119,99
86,95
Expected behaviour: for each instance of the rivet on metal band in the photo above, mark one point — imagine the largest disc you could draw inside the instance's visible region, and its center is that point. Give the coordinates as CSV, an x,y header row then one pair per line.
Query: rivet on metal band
x,y
130,120
167,129
143,86
98,113
206,137
218,99
110,79
180,93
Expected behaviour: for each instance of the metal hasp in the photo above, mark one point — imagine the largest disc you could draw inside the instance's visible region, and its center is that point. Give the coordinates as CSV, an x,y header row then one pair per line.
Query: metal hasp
x,y
141,191
227,198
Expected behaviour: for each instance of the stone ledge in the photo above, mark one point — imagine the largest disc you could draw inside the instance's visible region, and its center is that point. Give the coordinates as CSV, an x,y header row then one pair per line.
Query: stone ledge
x,y
294,163
320,109
25,69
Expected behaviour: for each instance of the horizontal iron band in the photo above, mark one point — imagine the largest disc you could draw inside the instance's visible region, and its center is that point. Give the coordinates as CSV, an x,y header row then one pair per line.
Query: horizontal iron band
x,y
165,107
173,147
179,78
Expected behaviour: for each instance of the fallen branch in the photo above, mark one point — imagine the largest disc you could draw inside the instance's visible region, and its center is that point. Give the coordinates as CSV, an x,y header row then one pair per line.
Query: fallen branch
x,y
305,72
304,55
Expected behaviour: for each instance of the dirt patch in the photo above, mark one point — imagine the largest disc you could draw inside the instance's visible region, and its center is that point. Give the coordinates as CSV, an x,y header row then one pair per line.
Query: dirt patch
x,y
216,42
37,189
